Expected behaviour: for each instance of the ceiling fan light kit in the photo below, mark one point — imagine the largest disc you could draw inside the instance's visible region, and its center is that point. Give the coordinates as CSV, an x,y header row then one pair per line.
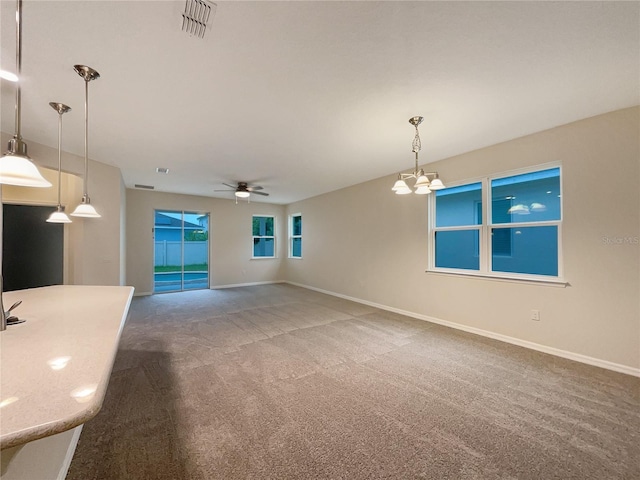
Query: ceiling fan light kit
x,y
426,182
244,190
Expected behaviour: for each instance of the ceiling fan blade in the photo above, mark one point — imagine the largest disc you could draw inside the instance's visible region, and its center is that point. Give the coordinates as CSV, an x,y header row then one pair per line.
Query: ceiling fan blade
x,y
230,186
254,187
261,193
225,190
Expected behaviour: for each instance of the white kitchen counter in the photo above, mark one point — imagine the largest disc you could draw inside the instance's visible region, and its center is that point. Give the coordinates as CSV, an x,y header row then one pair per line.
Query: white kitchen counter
x,y
55,367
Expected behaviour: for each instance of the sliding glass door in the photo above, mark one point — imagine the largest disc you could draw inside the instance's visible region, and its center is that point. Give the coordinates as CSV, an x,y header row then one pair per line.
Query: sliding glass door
x,y
181,251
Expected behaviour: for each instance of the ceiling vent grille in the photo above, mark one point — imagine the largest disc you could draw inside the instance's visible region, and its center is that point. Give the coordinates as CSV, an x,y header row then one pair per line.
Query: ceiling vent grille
x,y
146,187
196,17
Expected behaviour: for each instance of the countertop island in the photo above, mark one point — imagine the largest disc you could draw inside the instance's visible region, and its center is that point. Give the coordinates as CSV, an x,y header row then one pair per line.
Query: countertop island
x,y
56,366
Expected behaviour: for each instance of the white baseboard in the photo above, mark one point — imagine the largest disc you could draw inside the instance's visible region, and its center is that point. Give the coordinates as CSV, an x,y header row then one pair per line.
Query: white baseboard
x,y
251,284
616,367
142,294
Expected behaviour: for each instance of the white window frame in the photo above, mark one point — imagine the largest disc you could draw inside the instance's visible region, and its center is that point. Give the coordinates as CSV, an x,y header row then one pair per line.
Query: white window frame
x,y
485,232
292,236
253,237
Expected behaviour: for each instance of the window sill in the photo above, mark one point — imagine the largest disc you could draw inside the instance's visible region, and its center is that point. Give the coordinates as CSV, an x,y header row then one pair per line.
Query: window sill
x,y
550,282
263,258
295,258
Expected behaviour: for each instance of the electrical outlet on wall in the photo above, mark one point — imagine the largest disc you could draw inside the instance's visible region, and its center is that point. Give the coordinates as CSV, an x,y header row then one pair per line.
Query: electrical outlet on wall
x,y
535,315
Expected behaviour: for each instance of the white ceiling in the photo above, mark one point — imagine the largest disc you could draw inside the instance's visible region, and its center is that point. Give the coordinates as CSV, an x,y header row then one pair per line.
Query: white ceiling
x,y
309,97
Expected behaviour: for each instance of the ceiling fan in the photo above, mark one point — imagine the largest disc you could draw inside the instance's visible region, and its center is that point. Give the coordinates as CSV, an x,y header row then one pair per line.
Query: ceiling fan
x,y
244,190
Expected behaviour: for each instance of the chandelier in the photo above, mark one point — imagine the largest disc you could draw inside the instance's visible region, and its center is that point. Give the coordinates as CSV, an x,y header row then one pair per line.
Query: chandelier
x,y
426,182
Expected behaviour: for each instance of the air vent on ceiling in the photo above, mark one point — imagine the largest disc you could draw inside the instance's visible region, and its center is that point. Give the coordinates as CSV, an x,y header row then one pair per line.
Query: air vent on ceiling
x,y
162,170
146,187
197,16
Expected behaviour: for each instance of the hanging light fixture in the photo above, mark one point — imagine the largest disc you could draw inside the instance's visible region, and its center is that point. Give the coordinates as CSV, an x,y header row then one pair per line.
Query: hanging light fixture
x,y
16,168
59,216
425,182
85,209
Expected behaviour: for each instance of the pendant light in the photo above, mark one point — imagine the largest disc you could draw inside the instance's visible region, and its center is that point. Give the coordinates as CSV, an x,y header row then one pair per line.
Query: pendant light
x,y
16,168
85,209
59,216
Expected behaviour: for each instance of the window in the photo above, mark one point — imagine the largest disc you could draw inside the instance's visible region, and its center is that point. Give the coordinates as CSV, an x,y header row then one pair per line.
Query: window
x,y
264,240
504,226
459,216
295,236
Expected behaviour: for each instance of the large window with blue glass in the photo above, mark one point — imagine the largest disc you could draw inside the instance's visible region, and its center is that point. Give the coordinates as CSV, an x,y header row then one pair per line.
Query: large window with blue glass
x,y
506,225
264,240
295,236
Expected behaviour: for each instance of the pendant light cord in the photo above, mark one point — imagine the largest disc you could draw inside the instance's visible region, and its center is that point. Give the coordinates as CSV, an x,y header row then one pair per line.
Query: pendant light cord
x,y
86,137
59,155
18,64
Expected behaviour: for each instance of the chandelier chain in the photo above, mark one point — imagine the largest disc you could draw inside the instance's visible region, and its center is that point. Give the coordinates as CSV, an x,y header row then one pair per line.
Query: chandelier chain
x,y
416,144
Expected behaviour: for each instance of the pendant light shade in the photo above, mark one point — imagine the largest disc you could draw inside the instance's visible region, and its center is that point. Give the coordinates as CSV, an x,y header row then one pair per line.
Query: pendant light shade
x,y
59,216
422,184
423,190
399,185
16,168
85,209
436,184
403,190
422,180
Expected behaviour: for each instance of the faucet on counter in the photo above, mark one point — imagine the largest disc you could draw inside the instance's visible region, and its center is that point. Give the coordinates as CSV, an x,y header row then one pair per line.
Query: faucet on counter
x,y
7,318
3,320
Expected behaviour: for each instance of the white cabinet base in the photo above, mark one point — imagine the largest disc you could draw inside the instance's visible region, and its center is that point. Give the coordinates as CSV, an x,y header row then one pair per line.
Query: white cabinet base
x,y
47,459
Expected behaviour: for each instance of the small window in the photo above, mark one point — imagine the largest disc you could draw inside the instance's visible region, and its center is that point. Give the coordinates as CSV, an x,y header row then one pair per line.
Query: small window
x,y
504,226
264,240
295,236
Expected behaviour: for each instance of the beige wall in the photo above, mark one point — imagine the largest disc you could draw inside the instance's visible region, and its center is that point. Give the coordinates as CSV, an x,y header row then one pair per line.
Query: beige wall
x,y
93,247
230,245
365,242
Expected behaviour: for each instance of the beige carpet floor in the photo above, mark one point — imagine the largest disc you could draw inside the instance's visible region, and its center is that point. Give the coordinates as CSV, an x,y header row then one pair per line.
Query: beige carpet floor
x,y
279,382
